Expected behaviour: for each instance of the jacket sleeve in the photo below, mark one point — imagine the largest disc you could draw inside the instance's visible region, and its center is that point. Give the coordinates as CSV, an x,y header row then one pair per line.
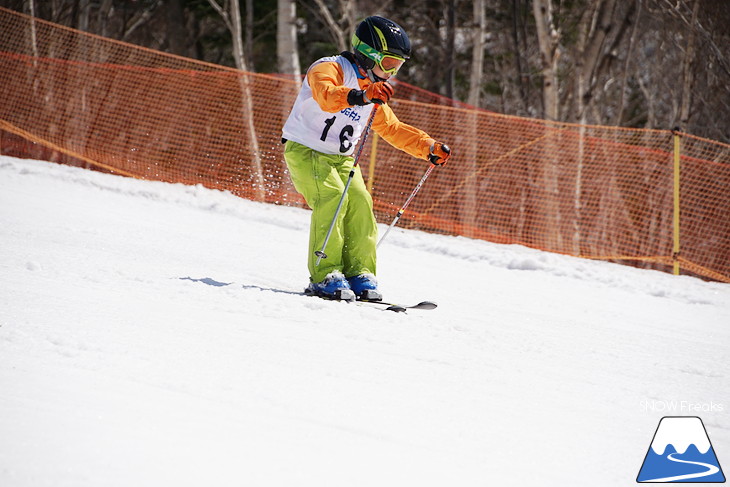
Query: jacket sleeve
x,y
405,137
326,81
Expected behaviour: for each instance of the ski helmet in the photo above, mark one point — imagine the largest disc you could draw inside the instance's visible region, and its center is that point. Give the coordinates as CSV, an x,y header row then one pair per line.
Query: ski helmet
x,y
380,41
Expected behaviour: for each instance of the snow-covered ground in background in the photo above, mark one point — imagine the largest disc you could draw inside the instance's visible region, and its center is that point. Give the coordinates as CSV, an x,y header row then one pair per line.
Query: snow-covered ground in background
x,y
150,336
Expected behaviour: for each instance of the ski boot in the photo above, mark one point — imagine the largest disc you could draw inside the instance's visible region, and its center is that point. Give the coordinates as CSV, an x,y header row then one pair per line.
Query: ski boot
x,y
365,287
334,286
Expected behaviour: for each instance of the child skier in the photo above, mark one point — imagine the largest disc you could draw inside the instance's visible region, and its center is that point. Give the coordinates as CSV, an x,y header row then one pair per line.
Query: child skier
x,y
321,133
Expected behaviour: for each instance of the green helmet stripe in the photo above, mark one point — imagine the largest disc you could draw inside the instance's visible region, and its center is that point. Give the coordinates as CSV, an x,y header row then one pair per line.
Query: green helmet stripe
x,y
383,42
368,51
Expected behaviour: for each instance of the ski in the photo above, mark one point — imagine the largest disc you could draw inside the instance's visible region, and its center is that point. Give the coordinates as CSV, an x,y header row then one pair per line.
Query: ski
x,y
398,308
390,307
424,305
383,306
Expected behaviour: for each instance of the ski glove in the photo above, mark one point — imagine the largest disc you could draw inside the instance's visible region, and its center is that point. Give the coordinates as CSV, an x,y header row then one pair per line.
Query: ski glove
x,y
379,93
440,153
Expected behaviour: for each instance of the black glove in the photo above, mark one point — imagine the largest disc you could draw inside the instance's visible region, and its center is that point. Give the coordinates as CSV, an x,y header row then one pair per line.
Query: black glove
x,y
379,93
356,97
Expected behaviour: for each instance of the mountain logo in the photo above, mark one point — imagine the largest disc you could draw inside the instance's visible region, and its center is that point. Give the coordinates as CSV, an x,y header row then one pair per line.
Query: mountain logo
x,y
681,452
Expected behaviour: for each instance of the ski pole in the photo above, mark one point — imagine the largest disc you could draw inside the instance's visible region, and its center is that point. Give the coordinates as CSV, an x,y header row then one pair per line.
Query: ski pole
x,y
405,205
433,160
320,253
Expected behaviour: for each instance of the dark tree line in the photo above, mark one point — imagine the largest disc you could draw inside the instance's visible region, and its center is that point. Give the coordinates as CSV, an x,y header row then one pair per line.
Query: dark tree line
x,y
636,63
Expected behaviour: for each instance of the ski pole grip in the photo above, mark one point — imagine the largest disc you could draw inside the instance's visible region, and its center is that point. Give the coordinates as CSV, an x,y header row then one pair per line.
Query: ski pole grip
x,y
433,158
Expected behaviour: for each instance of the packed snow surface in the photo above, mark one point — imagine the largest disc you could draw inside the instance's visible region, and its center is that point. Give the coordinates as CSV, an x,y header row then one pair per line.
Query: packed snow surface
x,y
152,335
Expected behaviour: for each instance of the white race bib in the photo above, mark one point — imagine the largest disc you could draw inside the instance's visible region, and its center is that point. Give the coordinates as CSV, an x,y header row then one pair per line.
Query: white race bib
x,y
331,133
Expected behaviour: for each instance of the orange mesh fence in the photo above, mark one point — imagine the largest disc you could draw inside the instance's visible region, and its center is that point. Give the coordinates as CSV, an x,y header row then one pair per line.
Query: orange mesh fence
x,y
597,192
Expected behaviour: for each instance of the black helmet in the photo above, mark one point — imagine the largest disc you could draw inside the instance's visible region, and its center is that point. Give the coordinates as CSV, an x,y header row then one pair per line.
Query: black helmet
x,y
383,42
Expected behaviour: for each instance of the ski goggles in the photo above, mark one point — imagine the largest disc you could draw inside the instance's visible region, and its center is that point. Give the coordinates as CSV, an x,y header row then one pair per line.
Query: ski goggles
x,y
389,63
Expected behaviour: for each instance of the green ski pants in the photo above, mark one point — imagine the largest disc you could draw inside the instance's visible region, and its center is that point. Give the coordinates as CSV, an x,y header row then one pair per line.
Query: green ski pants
x,y
321,179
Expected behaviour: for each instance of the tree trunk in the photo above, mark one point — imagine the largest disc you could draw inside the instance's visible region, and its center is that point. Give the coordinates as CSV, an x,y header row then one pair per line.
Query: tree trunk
x,y
29,8
84,6
548,39
105,9
177,38
451,47
592,32
522,78
477,53
139,19
236,28
468,209
287,52
248,45
232,18
687,71
627,64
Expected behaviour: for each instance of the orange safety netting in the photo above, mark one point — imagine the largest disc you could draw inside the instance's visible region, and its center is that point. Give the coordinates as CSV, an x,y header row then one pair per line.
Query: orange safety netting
x,y
597,192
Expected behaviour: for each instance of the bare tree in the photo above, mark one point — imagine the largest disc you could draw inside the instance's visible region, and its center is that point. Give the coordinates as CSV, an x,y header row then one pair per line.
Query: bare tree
x,y
520,52
140,18
686,67
627,64
287,51
29,8
231,14
479,31
342,27
593,27
548,39
451,51
469,201
105,9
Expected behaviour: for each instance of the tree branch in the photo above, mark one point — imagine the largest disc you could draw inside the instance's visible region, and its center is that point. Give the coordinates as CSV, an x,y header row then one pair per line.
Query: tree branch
x,y
223,12
140,19
337,33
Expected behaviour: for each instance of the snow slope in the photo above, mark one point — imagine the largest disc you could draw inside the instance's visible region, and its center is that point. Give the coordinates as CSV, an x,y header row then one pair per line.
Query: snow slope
x,y
150,336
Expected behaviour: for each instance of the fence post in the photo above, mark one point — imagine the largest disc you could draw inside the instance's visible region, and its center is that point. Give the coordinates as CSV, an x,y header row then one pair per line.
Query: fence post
x,y
676,246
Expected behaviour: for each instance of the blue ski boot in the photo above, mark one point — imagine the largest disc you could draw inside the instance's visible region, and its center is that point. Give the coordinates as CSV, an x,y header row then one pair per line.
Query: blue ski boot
x,y
365,287
334,286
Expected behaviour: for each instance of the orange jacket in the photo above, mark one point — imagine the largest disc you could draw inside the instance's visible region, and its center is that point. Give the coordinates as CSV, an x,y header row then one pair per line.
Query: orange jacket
x,y
326,81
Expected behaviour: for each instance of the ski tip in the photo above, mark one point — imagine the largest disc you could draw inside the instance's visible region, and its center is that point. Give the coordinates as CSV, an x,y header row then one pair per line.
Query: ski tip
x,y
397,308
425,305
